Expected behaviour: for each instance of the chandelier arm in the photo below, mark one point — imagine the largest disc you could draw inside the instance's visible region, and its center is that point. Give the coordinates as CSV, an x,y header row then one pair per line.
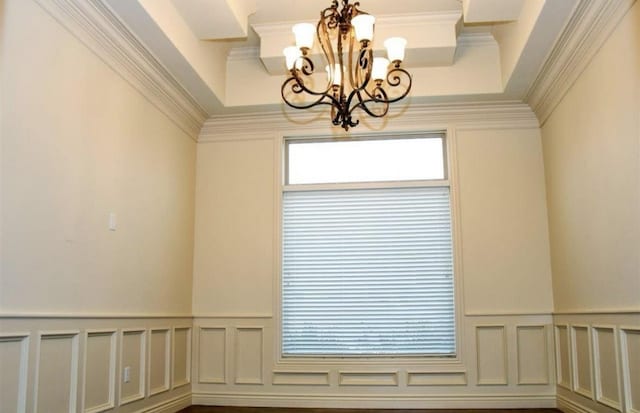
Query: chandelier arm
x,y
362,103
298,88
328,20
394,80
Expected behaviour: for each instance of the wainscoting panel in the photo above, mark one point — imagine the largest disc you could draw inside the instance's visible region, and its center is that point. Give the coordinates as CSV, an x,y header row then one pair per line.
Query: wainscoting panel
x,y
606,367
248,355
605,354
483,374
57,372
581,360
630,338
416,378
353,378
563,356
533,355
58,364
159,360
492,355
212,355
99,370
181,356
14,349
301,378
133,357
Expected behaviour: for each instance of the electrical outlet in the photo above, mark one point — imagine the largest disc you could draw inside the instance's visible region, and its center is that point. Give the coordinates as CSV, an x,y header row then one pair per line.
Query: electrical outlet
x,y
126,374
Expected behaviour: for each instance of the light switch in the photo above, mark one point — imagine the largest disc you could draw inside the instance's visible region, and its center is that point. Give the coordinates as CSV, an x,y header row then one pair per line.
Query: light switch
x,y
112,221
126,374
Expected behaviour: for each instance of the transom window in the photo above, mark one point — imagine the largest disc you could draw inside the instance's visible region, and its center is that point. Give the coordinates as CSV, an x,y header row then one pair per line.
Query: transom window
x,y
367,265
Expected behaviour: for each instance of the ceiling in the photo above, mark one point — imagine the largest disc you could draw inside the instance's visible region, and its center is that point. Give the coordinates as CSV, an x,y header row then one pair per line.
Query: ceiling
x,y
227,54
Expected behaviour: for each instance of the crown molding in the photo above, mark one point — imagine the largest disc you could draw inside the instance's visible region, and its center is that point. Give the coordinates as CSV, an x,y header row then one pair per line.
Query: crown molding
x,y
100,29
589,27
285,122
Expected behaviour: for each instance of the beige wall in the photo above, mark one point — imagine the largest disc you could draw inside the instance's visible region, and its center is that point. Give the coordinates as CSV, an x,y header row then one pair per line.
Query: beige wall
x,y
503,270
78,143
592,163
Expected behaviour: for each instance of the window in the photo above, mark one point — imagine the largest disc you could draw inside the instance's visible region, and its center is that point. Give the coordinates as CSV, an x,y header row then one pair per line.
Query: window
x,y
367,266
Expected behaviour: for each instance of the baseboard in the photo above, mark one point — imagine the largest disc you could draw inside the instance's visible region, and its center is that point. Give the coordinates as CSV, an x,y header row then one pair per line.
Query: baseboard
x,y
570,406
169,406
376,401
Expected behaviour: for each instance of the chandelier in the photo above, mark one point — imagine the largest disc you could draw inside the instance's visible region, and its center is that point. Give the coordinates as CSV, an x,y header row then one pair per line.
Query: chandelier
x,y
356,80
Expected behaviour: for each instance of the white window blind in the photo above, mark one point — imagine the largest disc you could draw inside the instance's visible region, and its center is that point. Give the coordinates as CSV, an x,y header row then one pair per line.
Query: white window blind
x,y
367,272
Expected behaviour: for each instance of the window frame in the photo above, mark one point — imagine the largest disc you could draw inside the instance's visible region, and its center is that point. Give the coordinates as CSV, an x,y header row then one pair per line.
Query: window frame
x,y
449,165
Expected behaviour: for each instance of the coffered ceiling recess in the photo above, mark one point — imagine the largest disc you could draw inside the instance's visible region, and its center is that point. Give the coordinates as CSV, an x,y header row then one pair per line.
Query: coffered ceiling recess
x,y
228,53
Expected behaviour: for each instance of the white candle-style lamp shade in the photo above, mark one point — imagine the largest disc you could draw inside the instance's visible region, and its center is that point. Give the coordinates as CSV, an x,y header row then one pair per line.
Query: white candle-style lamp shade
x,y
395,48
379,69
304,32
363,26
291,55
335,75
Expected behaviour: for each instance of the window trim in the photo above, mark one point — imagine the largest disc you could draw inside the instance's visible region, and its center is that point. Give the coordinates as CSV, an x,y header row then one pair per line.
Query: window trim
x,y
434,363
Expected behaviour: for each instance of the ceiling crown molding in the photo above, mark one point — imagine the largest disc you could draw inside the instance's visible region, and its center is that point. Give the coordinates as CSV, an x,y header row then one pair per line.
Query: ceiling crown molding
x,y
482,115
589,27
98,27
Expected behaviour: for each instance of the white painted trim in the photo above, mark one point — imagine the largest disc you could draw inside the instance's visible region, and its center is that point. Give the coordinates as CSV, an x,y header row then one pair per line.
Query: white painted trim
x,y
626,374
24,339
372,400
142,367
557,345
111,403
232,316
189,330
570,406
622,311
616,405
82,316
575,373
169,406
213,380
590,25
236,334
505,355
73,385
286,378
93,23
368,378
167,361
519,380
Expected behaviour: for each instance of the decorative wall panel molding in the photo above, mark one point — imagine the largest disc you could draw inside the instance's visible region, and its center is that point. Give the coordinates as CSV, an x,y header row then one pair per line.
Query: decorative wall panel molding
x,y
424,378
56,375
581,355
584,34
606,370
14,355
491,344
99,377
630,349
533,355
300,378
181,356
249,355
212,355
563,356
97,26
133,354
159,360
368,378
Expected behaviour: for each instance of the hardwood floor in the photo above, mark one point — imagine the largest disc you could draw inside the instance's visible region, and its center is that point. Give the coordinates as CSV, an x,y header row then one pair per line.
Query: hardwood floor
x,y
211,409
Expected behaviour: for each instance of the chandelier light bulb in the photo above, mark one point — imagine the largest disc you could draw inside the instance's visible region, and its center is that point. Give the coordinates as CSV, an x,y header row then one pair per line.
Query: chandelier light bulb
x,y
304,32
363,26
291,55
379,69
335,75
395,48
